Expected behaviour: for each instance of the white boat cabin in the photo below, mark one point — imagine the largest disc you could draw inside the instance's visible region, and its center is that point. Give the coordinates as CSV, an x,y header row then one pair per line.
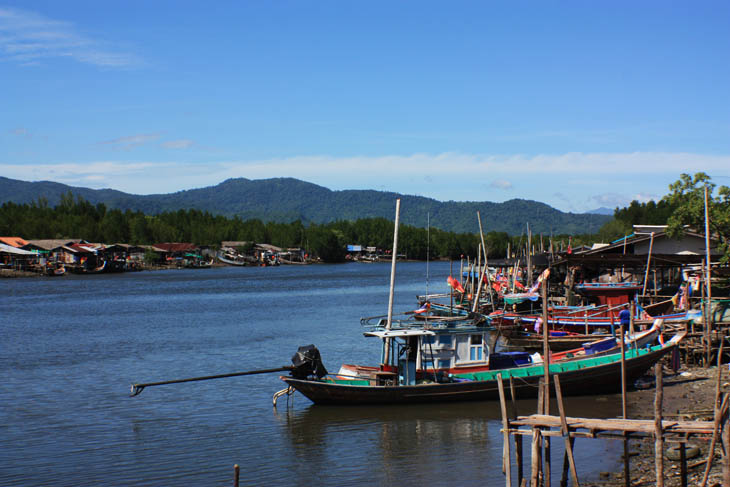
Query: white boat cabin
x,y
418,352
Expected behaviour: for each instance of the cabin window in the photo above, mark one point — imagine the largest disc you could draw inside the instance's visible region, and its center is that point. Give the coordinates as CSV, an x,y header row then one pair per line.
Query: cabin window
x,y
429,339
444,339
428,364
475,348
444,364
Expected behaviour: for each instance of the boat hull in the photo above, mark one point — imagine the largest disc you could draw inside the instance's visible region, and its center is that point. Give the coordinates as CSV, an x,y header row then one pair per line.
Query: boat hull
x,y
602,378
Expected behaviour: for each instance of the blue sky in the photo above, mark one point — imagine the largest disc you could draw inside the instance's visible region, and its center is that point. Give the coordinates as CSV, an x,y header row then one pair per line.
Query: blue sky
x,y
576,104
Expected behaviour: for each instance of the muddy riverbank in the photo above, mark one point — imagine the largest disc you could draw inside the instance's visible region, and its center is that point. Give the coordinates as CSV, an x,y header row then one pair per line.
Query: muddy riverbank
x,y
688,395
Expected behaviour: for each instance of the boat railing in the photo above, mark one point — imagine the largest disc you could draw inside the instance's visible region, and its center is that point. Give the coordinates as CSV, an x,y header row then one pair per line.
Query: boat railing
x,y
609,285
409,322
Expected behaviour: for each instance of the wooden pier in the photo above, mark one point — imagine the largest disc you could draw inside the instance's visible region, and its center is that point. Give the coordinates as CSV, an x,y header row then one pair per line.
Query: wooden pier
x,y
542,427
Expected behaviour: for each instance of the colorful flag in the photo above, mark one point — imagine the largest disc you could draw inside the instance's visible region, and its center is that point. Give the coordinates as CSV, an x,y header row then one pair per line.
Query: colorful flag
x,y
424,307
456,285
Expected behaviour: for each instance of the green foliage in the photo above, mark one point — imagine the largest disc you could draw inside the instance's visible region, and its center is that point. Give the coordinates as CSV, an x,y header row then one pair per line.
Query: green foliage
x,y
688,198
649,213
613,230
78,218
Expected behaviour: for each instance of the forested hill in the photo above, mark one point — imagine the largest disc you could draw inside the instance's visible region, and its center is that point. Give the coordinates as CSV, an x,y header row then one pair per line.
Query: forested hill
x,y
288,199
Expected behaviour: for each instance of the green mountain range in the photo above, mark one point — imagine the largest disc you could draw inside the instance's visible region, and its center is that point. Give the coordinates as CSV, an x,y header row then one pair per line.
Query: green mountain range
x,y
288,199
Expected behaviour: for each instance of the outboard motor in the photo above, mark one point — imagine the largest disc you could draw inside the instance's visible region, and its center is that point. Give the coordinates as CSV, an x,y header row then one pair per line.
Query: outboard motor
x,y
307,362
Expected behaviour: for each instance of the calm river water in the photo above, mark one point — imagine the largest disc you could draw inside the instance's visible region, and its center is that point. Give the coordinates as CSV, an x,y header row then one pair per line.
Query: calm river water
x,y
72,346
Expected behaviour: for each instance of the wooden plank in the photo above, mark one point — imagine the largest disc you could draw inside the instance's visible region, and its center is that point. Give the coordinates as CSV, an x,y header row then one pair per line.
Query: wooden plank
x,y
616,424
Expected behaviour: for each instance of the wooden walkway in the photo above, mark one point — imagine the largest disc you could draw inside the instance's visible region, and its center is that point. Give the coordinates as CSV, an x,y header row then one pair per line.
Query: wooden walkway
x,y
541,427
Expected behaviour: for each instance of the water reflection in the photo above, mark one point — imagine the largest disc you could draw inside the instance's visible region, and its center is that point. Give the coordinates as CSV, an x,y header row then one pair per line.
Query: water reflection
x,y
433,444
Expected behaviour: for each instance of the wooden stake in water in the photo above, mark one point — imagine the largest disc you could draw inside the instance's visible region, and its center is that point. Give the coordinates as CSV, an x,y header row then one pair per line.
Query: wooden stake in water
x,y
658,431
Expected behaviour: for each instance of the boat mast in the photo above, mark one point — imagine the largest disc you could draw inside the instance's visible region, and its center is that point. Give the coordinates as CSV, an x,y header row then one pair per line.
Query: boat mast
x,y
389,324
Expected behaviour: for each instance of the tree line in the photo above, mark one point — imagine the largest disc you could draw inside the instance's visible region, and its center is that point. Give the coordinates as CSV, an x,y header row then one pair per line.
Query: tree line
x,y
78,218
75,217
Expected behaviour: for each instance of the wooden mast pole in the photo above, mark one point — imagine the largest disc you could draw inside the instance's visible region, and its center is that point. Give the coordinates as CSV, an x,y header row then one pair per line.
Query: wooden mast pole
x,y
627,470
528,281
708,282
648,262
486,261
546,362
386,359
658,430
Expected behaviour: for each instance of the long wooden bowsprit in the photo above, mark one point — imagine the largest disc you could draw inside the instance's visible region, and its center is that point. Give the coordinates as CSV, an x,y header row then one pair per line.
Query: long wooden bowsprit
x,y
138,388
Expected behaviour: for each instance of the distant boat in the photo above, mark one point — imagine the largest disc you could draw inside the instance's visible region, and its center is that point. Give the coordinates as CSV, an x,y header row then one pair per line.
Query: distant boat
x,y
231,261
56,270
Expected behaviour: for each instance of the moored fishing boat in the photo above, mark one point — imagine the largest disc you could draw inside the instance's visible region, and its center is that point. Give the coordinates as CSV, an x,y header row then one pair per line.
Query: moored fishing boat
x,y
597,374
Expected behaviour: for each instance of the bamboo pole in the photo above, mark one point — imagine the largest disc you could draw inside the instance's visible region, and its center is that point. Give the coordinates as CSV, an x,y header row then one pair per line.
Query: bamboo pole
x,y
566,433
451,288
475,297
546,362
518,438
627,471
536,457
709,266
622,260
658,432
506,461
726,457
529,256
486,262
545,344
236,475
386,360
717,408
648,262
683,464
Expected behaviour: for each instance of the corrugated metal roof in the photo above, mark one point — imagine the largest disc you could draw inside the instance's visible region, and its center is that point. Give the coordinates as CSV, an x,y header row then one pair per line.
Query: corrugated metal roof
x,y
175,246
13,241
50,244
9,249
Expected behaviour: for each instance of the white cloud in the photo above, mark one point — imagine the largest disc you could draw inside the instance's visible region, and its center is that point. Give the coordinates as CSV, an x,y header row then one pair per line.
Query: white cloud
x,y
610,200
177,144
96,174
644,197
131,141
20,132
27,37
500,184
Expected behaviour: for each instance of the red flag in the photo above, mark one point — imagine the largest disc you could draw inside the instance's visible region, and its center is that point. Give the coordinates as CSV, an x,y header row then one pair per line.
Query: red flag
x,y
455,284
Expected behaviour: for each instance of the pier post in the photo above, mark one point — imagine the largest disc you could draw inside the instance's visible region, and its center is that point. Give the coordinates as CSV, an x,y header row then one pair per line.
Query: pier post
x,y
518,438
719,412
536,456
627,470
506,461
658,433
566,435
